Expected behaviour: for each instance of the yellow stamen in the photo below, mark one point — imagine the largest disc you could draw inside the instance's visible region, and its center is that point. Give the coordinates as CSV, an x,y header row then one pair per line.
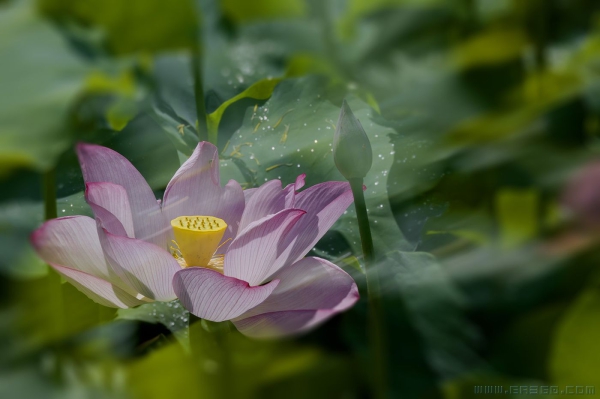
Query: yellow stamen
x,y
216,263
198,238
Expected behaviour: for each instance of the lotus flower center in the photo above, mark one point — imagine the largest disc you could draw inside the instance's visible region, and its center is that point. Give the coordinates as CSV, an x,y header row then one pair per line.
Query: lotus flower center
x,y
198,237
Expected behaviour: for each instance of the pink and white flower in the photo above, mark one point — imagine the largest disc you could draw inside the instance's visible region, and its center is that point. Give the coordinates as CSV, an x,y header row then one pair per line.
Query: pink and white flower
x,y
228,254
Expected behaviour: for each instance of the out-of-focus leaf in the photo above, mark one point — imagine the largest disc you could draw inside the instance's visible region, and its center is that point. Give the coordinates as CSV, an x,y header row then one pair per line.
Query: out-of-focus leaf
x,y
276,368
133,26
292,364
17,258
524,347
260,368
491,47
57,311
542,92
174,374
304,64
319,377
120,113
518,215
17,220
473,236
242,11
437,310
175,85
574,356
39,76
174,102
98,82
29,382
352,261
183,135
230,171
260,90
174,105
292,133
254,51
235,69
475,386
494,278
144,143
358,15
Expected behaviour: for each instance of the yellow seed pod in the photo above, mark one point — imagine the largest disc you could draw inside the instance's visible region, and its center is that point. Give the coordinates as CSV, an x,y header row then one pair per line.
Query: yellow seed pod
x,y
198,237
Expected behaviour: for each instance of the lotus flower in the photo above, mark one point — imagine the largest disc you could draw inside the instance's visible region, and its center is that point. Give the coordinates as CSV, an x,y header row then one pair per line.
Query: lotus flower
x,y
228,254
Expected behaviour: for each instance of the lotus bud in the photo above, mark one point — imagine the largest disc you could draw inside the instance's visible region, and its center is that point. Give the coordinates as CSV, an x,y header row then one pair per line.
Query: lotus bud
x,y
352,152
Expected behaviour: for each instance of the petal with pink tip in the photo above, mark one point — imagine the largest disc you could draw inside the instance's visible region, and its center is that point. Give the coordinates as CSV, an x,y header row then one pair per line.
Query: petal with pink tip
x,y
72,242
108,221
195,190
300,181
268,199
309,284
112,198
291,189
97,289
262,248
143,266
324,203
282,324
101,164
310,291
210,295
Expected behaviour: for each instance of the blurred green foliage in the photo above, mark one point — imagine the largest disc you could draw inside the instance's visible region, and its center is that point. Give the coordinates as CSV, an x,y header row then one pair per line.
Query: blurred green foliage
x,y
133,26
41,82
478,112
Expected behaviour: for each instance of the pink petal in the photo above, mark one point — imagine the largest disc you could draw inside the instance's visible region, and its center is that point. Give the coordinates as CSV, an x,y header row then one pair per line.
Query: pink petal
x,y
113,199
195,190
266,200
108,221
269,199
212,296
143,266
72,242
262,248
300,182
324,203
97,289
281,324
248,193
310,291
101,164
310,284
291,190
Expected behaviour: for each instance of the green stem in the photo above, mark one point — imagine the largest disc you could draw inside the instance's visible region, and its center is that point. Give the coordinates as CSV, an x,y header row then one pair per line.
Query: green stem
x,y
375,321
197,70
